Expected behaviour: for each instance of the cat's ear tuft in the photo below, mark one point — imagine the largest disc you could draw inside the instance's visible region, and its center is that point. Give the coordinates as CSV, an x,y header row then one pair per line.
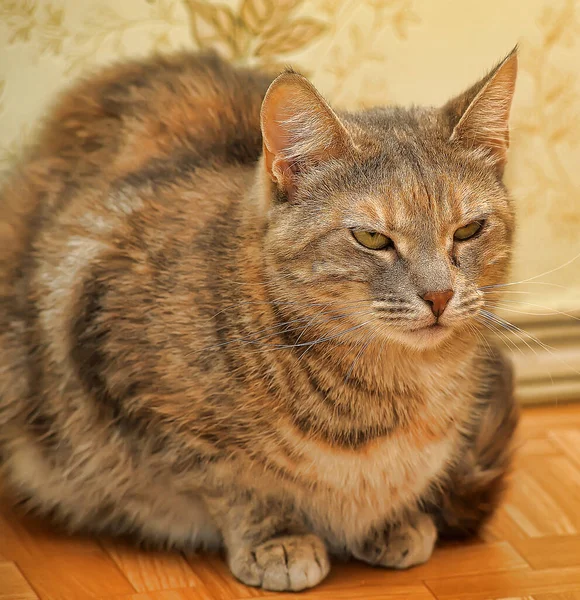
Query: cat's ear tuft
x,y
480,116
299,129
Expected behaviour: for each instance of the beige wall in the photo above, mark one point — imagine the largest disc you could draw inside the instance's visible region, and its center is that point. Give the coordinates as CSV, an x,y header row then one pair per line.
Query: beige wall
x,y
359,52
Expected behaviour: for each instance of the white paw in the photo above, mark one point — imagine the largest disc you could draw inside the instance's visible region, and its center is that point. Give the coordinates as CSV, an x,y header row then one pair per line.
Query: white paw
x,y
400,547
411,544
293,562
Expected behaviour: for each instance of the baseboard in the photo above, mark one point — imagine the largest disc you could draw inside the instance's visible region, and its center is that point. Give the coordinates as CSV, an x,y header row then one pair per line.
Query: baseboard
x,y
546,356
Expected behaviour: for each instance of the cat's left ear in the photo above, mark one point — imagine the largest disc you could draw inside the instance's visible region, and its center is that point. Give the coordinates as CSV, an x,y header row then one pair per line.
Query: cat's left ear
x,y
479,117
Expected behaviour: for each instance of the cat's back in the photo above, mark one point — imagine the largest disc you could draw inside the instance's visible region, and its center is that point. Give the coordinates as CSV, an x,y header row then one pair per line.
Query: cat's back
x,y
158,109
128,165
123,134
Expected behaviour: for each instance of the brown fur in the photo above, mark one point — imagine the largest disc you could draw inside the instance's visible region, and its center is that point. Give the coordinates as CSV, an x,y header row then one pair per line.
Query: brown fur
x,y
195,349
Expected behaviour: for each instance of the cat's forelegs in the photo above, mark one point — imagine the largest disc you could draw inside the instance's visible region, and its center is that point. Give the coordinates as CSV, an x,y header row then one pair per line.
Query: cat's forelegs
x,y
399,546
267,545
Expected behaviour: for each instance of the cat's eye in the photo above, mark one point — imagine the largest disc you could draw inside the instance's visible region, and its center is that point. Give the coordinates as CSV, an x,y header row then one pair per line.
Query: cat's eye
x,y
468,231
372,239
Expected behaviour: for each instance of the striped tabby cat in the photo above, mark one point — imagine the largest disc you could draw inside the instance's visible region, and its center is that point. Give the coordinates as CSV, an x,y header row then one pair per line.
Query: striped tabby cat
x,y
233,317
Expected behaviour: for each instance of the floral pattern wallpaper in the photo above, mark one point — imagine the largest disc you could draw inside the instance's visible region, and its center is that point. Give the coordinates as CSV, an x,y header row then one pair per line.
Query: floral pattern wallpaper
x,y
359,53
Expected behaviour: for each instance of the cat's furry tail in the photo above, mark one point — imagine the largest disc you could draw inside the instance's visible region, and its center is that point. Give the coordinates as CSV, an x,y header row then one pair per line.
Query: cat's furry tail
x,y
476,485
23,199
16,209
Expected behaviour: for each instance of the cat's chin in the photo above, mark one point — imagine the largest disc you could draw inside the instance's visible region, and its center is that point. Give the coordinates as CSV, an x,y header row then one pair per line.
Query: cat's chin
x,y
423,338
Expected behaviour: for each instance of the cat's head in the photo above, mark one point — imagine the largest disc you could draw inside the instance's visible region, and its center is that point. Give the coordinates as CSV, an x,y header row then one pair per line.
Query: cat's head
x,y
391,217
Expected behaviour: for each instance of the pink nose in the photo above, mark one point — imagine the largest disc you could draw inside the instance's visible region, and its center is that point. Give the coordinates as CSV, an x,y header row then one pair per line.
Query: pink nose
x,y
438,301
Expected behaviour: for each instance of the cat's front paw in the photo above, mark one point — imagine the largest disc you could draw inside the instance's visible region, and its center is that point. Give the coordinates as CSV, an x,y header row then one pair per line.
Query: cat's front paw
x,y
292,562
400,547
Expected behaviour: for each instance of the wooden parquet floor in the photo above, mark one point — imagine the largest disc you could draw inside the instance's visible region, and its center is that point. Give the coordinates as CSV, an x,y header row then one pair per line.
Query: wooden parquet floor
x,y
531,550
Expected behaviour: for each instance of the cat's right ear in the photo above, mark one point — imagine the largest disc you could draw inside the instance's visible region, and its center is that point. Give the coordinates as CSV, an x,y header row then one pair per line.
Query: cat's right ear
x,y
299,130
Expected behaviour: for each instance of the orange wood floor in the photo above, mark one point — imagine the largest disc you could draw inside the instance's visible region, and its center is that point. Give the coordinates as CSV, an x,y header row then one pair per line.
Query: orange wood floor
x,y
531,551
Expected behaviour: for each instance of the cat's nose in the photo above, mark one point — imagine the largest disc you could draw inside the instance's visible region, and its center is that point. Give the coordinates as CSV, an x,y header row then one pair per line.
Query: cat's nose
x,y
438,301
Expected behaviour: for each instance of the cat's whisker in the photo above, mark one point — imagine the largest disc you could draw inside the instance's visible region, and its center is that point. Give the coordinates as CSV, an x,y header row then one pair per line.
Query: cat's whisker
x,y
511,309
519,335
533,350
358,356
554,270
549,311
326,309
485,343
328,338
333,317
309,347
308,325
500,287
279,329
509,343
338,319
481,337
500,306
532,279
287,303
502,291
518,330
499,337
507,325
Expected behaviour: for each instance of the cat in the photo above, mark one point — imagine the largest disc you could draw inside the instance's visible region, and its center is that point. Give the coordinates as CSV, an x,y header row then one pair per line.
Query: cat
x,y
234,318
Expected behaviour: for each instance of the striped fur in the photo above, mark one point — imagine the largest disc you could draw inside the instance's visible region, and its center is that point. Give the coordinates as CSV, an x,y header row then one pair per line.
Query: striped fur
x,y
193,355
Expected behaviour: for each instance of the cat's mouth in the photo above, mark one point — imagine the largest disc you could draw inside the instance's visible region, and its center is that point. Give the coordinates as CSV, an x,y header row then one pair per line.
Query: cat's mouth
x,y
434,332
433,327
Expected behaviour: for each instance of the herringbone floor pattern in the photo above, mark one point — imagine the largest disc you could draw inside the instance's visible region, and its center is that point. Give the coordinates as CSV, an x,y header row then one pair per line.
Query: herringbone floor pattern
x,y
531,551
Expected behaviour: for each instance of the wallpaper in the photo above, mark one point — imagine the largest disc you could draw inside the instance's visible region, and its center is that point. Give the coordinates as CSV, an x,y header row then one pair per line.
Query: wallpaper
x,y
359,53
